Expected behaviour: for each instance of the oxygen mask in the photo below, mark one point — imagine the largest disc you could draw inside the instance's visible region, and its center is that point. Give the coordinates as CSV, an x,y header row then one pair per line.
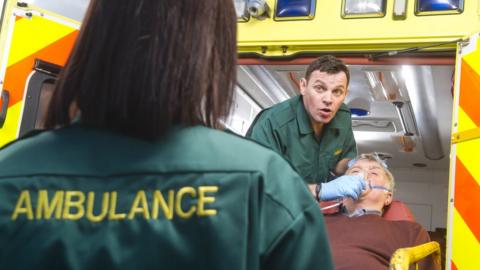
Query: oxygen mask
x,y
364,175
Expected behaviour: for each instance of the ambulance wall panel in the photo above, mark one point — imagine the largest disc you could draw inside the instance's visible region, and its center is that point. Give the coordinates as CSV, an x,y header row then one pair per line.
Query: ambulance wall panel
x,y
428,189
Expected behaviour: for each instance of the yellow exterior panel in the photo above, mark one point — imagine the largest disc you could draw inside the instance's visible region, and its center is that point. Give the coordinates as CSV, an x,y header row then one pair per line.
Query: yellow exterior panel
x,y
466,247
464,121
329,31
468,152
9,130
473,59
43,31
5,24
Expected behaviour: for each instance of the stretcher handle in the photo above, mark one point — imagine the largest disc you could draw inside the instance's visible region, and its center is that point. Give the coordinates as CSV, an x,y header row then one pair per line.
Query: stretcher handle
x,y
404,257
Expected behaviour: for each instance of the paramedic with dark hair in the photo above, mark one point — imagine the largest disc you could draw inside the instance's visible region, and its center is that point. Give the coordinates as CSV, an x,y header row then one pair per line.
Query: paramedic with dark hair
x,y
132,174
314,129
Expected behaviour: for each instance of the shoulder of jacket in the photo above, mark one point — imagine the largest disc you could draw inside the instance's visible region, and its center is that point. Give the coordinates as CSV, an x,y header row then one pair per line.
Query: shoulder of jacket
x,y
20,140
344,110
280,114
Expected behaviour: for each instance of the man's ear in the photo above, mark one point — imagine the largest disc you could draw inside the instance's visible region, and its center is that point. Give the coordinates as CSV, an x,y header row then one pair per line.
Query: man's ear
x,y
303,86
388,199
345,96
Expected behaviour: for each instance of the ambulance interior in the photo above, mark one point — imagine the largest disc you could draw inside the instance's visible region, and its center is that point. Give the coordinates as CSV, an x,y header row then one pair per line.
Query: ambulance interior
x,y
402,112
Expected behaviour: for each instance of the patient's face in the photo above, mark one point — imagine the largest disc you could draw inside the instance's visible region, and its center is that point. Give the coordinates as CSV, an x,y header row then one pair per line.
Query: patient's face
x,y
372,172
375,176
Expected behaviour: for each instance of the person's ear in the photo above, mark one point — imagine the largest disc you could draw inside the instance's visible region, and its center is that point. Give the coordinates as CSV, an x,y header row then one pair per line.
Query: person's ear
x,y
73,111
346,94
303,86
388,199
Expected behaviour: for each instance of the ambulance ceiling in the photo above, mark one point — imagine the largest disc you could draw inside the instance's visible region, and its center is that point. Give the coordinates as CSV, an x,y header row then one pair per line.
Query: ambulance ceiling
x,y
409,107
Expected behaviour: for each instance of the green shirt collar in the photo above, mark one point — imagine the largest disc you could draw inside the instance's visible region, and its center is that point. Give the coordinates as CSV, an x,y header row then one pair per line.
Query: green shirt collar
x,y
303,120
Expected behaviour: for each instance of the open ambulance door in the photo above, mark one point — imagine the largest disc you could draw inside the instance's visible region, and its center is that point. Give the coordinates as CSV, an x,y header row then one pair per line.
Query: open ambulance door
x,y
36,43
463,246
402,61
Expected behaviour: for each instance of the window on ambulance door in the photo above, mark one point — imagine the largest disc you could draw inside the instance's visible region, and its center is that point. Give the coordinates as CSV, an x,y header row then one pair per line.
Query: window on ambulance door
x,y
40,89
46,93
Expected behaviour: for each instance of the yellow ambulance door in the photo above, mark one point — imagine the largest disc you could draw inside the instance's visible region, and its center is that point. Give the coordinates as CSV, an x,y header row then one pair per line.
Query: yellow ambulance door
x,y
33,40
464,202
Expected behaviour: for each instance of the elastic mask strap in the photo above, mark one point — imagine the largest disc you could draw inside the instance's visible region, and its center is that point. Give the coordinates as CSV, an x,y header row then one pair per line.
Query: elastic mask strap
x,y
380,187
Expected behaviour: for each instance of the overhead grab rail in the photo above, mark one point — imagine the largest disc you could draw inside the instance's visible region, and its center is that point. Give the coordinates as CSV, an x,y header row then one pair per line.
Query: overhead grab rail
x,y
413,49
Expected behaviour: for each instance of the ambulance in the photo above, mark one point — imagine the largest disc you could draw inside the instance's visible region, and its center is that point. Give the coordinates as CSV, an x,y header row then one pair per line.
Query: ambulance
x,y
415,82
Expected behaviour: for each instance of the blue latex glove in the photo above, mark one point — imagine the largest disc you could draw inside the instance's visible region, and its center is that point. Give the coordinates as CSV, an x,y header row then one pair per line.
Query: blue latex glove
x,y
344,186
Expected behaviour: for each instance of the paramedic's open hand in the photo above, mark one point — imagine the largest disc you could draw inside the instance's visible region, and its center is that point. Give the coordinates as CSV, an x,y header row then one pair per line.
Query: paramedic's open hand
x,y
344,186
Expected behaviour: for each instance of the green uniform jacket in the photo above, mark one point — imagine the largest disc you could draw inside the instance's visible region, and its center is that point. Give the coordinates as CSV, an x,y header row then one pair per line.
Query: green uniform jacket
x,y
80,198
286,129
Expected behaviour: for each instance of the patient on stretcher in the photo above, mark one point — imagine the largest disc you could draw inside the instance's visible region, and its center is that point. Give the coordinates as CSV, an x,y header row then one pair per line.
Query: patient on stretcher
x,y
359,237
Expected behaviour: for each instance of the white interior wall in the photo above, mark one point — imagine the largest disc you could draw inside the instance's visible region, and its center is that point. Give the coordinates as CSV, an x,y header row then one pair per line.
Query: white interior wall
x,y
243,112
426,193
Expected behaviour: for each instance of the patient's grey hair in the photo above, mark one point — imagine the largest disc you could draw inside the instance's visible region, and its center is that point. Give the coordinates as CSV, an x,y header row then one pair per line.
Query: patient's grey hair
x,y
374,157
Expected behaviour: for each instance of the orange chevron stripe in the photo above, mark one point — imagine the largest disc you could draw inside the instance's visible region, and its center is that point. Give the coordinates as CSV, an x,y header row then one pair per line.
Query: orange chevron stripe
x,y
470,85
453,266
16,75
466,197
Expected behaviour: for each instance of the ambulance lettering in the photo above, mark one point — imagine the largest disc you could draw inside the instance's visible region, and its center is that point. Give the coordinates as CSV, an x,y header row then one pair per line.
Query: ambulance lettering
x,y
75,205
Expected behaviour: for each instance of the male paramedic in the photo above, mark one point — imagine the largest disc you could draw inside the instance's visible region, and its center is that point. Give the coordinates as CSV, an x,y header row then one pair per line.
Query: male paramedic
x,y
313,130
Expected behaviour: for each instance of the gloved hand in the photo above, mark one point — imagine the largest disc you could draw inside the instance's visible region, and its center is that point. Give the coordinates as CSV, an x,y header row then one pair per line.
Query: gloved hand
x,y
344,186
